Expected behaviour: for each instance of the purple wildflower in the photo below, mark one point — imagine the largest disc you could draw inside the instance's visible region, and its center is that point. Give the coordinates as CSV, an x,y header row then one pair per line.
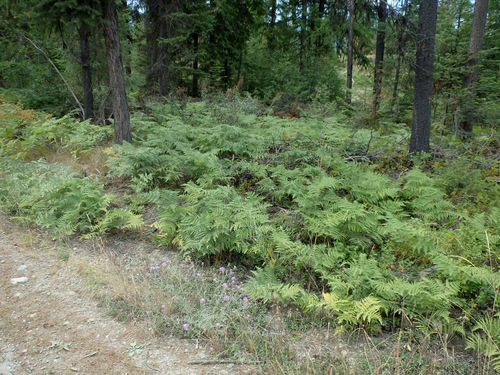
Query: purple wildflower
x,y
185,327
203,300
226,297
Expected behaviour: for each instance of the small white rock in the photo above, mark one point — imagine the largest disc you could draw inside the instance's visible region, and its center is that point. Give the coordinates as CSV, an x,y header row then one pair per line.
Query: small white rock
x,y
22,267
19,280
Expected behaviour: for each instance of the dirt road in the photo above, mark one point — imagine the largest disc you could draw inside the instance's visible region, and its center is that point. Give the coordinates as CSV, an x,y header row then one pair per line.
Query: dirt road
x,y
50,322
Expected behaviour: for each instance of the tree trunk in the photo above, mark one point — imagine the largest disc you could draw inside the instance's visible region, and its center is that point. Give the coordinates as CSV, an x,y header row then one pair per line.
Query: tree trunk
x,y
321,13
350,52
303,27
88,96
159,30
379,56
196,44
421,122
115,71
272,23
470,82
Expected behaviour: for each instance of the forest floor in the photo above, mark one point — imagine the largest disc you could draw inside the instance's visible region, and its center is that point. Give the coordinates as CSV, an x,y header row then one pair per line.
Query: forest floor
x,y
53,319
52,323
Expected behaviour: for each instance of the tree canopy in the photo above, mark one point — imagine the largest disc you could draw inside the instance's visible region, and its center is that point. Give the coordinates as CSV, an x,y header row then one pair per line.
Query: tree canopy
x,y
284,52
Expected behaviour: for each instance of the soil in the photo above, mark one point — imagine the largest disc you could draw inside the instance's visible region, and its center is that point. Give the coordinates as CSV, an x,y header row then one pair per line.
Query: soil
x,y
51,321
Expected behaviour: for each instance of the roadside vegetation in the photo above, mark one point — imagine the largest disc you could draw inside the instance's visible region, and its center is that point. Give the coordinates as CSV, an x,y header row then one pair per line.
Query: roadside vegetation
x,y
286,225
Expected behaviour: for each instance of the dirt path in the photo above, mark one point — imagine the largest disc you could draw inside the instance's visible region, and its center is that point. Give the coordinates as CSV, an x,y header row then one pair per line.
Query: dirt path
x,y
50,323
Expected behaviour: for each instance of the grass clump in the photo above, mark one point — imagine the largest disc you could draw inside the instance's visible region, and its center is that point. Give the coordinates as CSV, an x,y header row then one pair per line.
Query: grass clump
x,y
209,305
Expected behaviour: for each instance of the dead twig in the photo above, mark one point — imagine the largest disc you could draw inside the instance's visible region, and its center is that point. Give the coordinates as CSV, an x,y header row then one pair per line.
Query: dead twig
x,y
224,362
90,355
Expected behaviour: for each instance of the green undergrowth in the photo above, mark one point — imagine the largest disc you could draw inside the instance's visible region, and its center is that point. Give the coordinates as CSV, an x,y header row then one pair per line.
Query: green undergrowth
x,y
28,134
328,218
55,196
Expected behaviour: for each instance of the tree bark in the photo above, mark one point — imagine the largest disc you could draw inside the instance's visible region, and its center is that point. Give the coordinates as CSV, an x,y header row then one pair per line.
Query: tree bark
x,y
159,30
350,52
196,45
474,53
402,22
379,56
421,122
303,27
115,72
272,23
88,95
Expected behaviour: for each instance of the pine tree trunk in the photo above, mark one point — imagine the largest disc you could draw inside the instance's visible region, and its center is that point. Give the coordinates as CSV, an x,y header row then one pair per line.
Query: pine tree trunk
x,y
350,51
158,30
272,37
115,72
88,96
421,122
470,82
196,44
379,56
303,27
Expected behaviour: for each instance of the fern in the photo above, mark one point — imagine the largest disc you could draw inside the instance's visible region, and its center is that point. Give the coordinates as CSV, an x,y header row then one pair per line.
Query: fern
x,y
426,200
265,286
51,196
221,220
116,218
485,339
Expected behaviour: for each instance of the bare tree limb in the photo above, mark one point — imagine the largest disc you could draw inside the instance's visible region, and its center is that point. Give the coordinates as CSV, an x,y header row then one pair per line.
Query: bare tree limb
x,y
57,70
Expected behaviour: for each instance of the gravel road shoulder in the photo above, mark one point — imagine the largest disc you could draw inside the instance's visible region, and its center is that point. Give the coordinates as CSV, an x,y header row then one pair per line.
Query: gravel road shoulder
x,y
50,322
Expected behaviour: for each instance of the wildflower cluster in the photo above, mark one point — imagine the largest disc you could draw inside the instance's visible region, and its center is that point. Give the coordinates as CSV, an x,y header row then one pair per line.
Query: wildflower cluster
x,y
208,304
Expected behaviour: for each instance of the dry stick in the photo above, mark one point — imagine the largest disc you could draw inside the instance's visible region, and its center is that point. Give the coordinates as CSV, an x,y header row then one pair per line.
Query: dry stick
x,y
57,70
90,355
223,362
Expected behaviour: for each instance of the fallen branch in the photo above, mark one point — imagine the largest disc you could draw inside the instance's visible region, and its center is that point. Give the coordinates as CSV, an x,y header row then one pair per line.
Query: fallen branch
x,y
90,355
57,70
224,362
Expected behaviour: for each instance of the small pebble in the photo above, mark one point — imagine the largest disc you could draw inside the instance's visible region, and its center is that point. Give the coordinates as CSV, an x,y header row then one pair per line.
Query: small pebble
x,y
19,280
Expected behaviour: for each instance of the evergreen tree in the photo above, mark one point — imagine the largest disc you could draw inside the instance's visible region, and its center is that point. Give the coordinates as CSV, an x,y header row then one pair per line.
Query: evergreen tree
x,y
421,122
379,54
115,72
474,59
82,14
350,51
